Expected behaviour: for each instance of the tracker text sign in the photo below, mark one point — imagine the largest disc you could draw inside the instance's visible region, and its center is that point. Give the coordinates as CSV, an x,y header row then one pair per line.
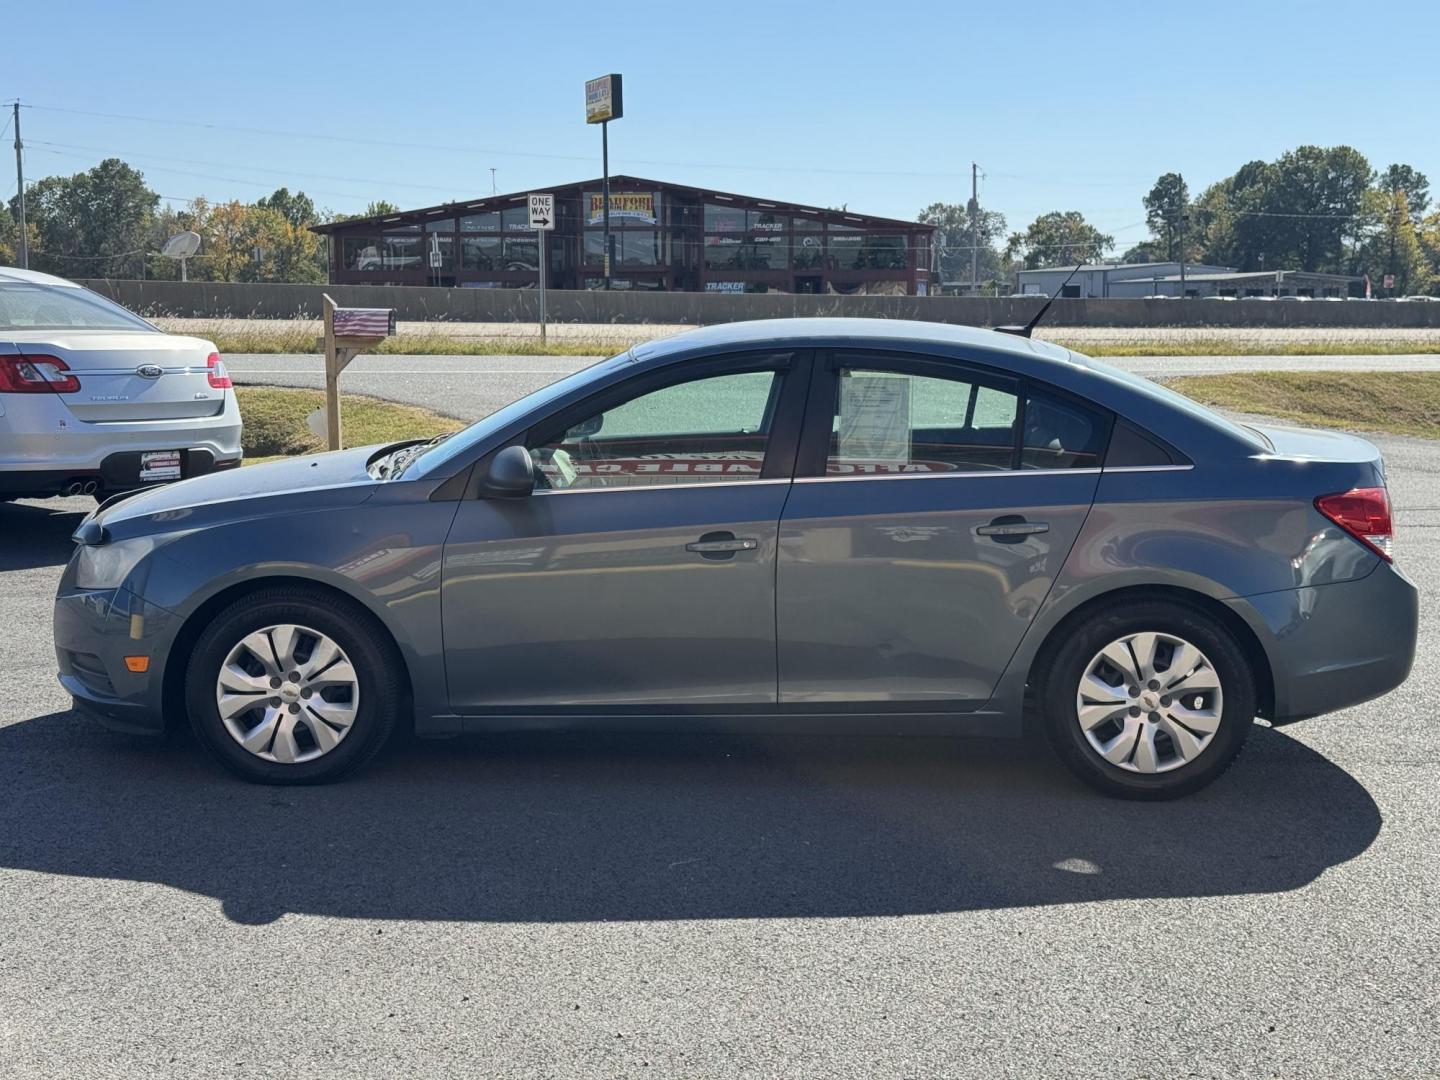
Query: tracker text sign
x,y
542,211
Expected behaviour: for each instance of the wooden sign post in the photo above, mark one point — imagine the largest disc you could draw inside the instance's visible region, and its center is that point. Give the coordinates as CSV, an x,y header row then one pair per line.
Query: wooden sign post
x,y
348,333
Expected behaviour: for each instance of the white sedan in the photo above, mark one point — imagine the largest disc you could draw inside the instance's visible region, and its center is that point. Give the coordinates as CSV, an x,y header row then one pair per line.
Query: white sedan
x,y
95,400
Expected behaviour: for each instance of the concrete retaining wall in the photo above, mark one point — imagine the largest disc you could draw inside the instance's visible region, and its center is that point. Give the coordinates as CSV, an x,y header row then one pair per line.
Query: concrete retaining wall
x,y
219,299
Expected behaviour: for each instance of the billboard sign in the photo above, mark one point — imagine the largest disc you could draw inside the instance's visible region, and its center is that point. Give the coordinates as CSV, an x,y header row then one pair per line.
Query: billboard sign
x,y
603,99
636,206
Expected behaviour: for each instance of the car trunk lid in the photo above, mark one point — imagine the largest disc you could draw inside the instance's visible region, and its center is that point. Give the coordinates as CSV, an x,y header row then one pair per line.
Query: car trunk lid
x,y
129,376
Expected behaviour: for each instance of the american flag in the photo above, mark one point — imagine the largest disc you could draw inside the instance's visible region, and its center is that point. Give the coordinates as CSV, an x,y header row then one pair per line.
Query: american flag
x,y
364,322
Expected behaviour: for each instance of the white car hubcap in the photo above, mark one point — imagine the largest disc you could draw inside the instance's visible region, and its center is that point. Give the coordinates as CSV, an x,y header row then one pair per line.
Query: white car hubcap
x,y
1149,702
287,694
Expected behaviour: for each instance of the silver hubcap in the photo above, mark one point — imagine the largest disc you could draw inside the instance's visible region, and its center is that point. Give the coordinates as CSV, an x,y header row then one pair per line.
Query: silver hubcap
x,y
1149,703
287,693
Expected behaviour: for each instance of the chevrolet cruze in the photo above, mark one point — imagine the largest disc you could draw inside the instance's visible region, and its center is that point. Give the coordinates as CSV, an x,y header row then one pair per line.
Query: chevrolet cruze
x,y
820,525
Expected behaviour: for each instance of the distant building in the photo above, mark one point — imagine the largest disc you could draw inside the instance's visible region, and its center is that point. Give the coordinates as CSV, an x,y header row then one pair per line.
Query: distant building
x,y
1132,280
664,236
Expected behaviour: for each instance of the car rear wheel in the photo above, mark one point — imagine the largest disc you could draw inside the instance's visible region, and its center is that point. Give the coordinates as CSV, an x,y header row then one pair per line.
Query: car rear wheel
x,y
292,687
1148,701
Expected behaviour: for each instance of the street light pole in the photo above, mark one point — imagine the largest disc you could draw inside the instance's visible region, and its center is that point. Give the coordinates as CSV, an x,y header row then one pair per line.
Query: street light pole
x,y
605,192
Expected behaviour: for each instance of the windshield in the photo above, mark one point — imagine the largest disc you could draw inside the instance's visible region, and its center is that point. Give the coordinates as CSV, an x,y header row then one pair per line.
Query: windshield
x,y
34,306
434,458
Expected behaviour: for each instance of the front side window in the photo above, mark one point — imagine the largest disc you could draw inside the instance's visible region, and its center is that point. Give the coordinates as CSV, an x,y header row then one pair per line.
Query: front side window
x,y
709,430
897,423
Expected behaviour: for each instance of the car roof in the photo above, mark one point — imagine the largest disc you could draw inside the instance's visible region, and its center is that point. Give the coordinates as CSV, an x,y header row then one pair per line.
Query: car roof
x,y
32,277
821,332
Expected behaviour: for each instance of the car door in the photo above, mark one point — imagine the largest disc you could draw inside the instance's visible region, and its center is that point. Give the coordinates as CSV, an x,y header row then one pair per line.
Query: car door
x,y
639,577
933,506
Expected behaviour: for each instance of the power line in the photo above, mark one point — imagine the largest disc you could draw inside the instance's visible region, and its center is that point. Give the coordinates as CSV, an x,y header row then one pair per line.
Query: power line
x,y
452,148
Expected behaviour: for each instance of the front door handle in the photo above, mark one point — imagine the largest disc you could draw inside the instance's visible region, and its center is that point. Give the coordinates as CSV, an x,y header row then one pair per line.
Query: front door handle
x,y
722,545
1012,529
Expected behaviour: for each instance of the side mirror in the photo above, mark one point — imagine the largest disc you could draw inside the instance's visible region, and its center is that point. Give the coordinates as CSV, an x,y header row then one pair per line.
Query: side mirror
x,y
511,474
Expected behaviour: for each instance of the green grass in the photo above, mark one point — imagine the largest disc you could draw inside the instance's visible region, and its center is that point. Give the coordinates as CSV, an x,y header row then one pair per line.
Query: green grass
x,y
1398,402
1224,347
285,336
275,421
281,338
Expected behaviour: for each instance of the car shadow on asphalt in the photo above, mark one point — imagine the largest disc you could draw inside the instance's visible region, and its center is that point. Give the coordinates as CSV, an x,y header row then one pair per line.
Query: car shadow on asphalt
x,y
544,828
34,535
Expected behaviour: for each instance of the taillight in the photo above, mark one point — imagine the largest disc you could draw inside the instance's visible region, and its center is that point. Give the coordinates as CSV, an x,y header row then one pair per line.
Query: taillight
x,y
216,373
36,375
1365,514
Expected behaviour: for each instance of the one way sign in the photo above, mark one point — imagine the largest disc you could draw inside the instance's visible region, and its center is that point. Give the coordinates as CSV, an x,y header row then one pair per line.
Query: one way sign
x,y
542,211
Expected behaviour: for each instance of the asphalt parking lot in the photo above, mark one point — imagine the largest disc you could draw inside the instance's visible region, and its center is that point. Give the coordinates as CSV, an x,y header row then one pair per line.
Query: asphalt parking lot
x,y
681,907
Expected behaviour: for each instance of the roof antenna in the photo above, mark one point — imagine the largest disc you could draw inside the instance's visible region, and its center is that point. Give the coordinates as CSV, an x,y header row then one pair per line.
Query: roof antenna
x,y
1029,327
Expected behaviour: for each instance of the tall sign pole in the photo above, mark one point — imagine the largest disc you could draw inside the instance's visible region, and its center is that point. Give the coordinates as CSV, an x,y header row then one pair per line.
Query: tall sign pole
x,y
604,102
20,182
542,220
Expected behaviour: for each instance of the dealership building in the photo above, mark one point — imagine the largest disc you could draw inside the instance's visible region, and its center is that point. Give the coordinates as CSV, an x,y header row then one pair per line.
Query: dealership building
x,y
664,236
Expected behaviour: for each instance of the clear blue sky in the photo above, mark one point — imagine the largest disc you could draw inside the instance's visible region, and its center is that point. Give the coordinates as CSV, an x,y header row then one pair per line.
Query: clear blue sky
x,y
879,106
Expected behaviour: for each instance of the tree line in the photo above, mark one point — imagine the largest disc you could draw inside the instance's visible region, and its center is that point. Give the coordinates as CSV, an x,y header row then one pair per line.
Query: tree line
x,y
106,222
1315,208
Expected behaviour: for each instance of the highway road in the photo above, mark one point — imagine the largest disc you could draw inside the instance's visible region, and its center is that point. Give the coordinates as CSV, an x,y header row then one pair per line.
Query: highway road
x,y
471,386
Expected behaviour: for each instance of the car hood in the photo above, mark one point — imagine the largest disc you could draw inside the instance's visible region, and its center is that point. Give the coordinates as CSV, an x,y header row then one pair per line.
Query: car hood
x,y
277,487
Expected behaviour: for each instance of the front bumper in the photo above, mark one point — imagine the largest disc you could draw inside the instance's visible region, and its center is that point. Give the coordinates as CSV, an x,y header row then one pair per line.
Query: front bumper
x,y
94,631
1335,646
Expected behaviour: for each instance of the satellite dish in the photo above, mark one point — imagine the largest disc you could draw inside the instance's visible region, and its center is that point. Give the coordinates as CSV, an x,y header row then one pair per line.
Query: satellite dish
x,y
181,245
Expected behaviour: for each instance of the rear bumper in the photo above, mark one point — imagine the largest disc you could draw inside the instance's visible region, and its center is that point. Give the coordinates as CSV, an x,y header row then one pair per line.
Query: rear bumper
x,y
117,472
1335,646
94,631
55,442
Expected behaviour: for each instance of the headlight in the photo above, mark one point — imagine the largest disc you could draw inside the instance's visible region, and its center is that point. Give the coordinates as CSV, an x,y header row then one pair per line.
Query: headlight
x,y
105,566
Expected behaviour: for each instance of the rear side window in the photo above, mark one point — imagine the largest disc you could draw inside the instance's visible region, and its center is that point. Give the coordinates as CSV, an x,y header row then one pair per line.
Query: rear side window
x,y
25,306
1060,434
895,422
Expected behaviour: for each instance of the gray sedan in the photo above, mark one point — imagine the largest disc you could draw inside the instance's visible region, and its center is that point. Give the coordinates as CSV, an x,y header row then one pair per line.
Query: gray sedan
x,y
823,525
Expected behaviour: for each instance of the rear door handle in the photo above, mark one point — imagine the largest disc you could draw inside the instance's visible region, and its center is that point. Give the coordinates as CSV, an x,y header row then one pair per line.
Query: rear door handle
x,y
722,545
1012,529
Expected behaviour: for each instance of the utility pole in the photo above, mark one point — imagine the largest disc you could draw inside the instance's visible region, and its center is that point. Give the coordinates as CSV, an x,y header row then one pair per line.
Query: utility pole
x,y
975,228
20,182
1184,222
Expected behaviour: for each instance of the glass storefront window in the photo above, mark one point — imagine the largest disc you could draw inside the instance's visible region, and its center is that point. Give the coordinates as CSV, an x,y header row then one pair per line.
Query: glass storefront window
x,y
806,224
724,218
360,253
402,251
809,250
883,252
725,252
521,253
441,225
515,219
486,222
445,244
479,253
634,248
844,249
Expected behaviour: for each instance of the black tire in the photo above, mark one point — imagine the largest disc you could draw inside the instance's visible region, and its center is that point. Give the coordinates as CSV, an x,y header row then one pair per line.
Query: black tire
x,y
1059,682
372,655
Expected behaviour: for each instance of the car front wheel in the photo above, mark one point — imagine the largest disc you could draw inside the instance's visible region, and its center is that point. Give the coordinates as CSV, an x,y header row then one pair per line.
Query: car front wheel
x,y
292,687
1148,701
